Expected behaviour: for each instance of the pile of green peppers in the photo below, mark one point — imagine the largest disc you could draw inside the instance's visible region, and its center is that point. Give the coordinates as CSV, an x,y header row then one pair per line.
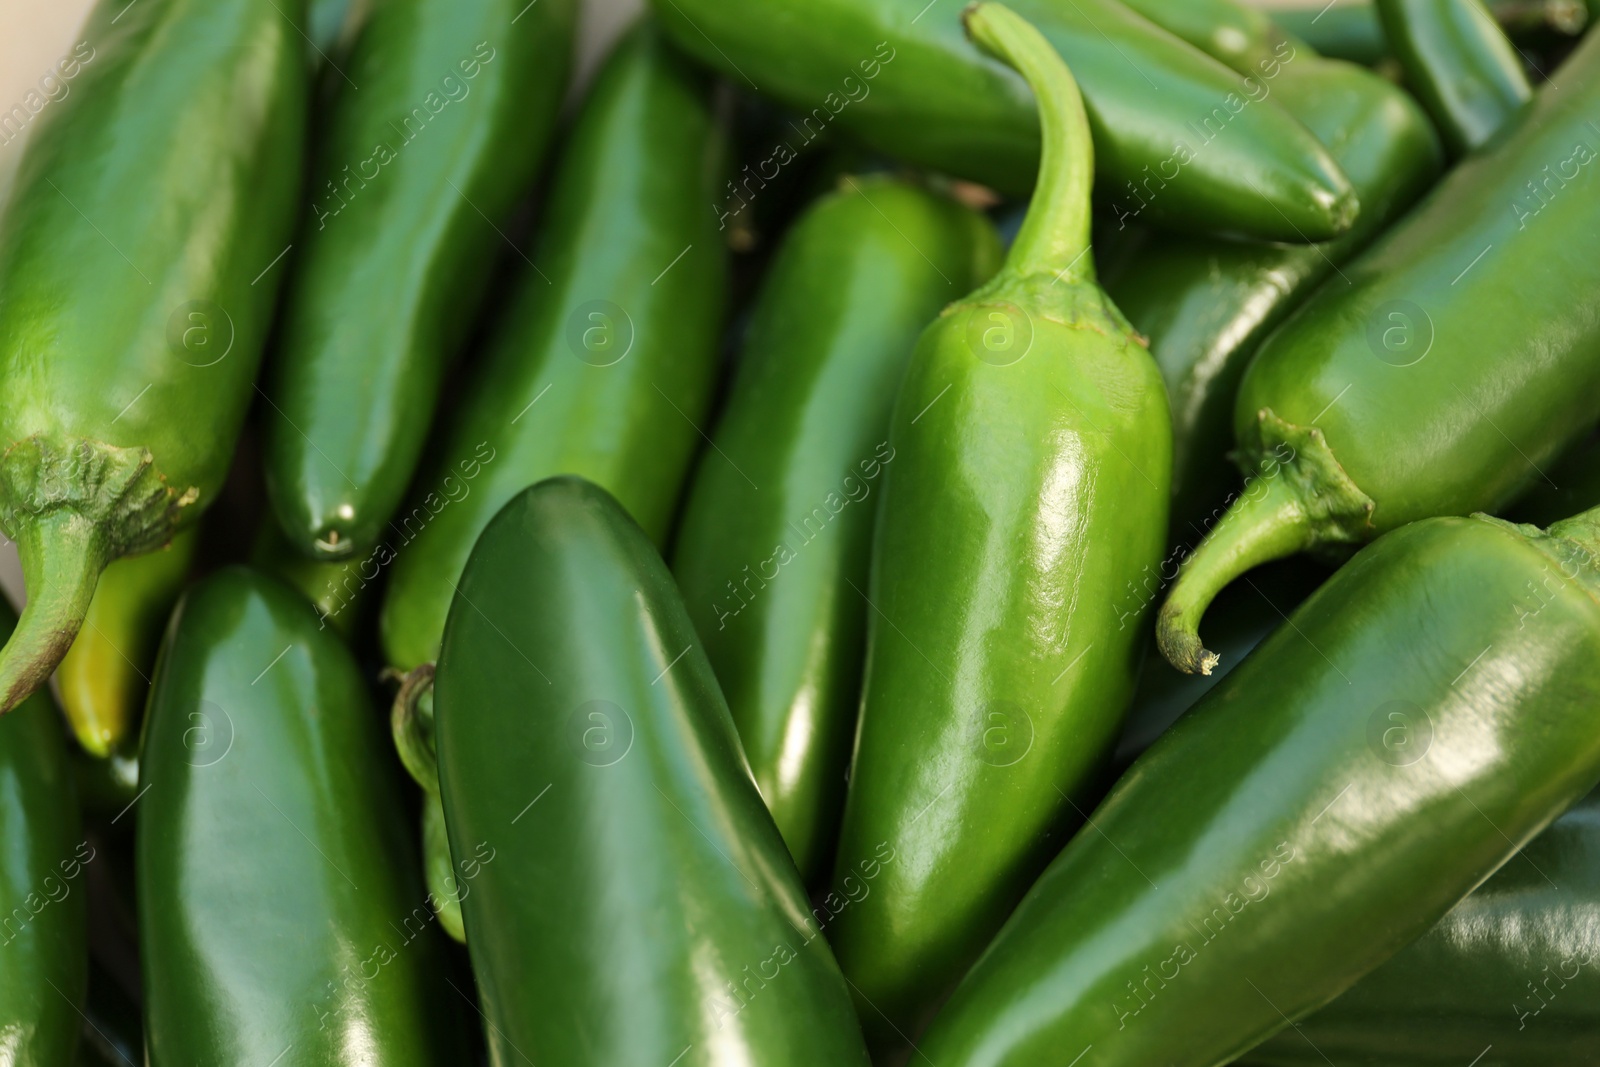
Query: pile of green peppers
x,y
699,557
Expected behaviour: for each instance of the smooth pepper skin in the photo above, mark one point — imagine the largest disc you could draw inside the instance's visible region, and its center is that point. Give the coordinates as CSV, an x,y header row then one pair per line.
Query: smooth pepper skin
x,y
1426,713
1459,64
1027,494
105,676
44,926
605,363
635,904
137,278
1455,358
774,546
1206,304
280,912
443,122
1510,975
910,85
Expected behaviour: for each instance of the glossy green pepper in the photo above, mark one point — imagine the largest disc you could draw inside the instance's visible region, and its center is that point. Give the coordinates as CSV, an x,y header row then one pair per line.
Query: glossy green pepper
x,y
1243,37
778,525
1460,355
899,75
1509,978
1027,494
1206,304
43,921
1422,716
105,676
606,361
415,173
587,758
279,910
1459,64
138,267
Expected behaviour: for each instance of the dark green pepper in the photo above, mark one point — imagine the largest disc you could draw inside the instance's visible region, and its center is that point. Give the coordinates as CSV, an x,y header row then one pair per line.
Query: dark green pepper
x,y
631,901
1028,492
138,266
1459,356
415,173
898,74
1509,978
280,914
1459,64
1418,719
44,953
336,588
105,676
1243,37
605,363
778,525
1206,304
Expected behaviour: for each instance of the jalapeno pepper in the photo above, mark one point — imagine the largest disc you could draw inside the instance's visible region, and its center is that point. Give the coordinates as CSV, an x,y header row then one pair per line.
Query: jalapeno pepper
x,y
1422,716
336,588
138,264
778,524
279,910
43,921
1511,976
1459,64
105,676
1207,304
448,111
1459,357
604,365
587,757
908,83
1353,30
1027,494
1242,37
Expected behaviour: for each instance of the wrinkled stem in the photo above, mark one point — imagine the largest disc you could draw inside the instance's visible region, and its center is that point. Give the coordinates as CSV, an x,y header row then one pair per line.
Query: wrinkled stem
x,y
62,554
1269,521
412,736
1054,238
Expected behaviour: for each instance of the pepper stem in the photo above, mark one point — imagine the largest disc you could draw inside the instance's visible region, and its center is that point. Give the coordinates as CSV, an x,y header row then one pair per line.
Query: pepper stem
x,y
62,554
1583,528
1269,521
411,734
1054,238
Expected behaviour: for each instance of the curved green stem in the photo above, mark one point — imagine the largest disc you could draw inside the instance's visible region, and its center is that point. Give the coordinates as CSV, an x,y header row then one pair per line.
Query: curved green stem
x,y
1270,521
62,554
1054,238
412,737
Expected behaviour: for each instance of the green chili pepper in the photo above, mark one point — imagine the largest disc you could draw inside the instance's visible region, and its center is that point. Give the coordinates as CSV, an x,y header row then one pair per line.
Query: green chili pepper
x,y
630,899
907,83
43,921
1460,66
138,265
1207,304
1511,976
778,526
1027,494
1421,716
105,676
1460,355
605,364
279,907
447,114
